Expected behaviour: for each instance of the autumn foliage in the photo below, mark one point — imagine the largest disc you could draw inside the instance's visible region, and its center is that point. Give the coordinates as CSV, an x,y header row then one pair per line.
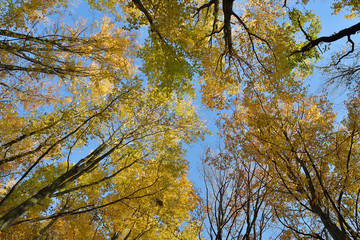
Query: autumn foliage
x,y
97,110
92,147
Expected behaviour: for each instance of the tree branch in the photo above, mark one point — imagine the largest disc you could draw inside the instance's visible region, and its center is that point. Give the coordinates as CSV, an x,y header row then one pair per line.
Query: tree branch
x,y
346,32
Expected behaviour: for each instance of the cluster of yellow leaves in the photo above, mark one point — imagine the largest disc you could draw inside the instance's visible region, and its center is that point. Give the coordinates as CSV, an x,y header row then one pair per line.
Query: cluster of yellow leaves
x,y
344,4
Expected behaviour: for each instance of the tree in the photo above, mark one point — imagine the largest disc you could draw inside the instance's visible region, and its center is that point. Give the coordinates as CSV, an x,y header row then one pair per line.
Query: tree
x,y
83,135
310,159
236,198
272,121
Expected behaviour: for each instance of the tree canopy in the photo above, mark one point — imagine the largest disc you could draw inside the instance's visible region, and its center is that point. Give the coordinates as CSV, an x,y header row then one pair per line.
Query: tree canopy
x,y
97,110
